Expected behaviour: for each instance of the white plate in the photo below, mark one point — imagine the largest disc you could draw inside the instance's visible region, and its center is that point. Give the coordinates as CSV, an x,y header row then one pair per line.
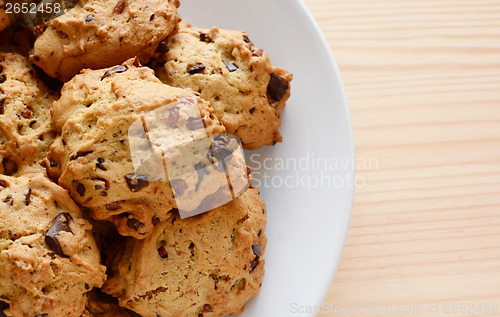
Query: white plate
x,y
306,226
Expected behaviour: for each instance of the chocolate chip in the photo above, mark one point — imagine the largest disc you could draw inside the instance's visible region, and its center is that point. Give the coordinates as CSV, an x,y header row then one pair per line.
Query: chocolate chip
x,y
152,17
9,166
26,113
258,52
133,223
179,186
60,223
195,123
231,67
114,70
255,51
196,69
80,189
202,171
99,164
205,38
277,88
119,7
3,184
2,108
27,198
9,200
38,30
162,252
246,39
136,182
191,249
173,116
256,249
114,205
52,163
79,154
254,264
89,18
105,181
97,187
252,110
3,78
207,308
219,149
255,261
162,47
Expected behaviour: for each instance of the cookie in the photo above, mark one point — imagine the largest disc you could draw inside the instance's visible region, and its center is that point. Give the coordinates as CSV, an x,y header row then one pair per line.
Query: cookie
x,y
208,265
97,34
48,257
246,91
25,124
119,128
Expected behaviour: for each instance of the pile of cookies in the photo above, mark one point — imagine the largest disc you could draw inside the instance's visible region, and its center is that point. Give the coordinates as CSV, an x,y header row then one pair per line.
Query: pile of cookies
x,y
84,231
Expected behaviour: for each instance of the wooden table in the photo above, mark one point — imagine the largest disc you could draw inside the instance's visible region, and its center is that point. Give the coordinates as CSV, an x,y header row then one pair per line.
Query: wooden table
x,y
423,82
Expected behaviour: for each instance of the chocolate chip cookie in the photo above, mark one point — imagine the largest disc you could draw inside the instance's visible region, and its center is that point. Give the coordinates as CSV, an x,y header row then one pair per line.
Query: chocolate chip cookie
x,y
25,124
48,256
119,128
98,34
227,69
208,265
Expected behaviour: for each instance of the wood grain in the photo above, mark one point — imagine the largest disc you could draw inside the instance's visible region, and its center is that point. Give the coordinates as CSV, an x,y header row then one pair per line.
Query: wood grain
x,y
423,81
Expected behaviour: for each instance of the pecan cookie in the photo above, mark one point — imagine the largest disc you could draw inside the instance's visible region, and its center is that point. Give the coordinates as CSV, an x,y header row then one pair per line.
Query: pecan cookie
x,y
25,125
208,265
119,129
246,91
48,257
97,34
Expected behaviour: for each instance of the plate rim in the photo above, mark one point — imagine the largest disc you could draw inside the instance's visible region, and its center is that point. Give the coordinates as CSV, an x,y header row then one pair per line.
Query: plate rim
x,y
350,134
